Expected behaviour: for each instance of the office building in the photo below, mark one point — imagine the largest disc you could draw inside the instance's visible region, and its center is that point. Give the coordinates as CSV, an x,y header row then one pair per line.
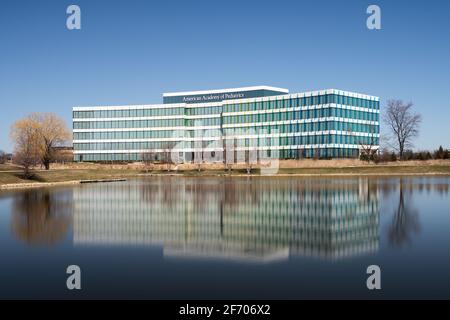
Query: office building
x,y
207,124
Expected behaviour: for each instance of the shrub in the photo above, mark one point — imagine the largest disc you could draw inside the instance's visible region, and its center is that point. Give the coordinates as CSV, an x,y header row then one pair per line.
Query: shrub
x,y
393,157
441,153
3,157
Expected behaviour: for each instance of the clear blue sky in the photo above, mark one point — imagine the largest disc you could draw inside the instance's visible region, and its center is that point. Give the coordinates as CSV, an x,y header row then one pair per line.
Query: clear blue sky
x,y
129,52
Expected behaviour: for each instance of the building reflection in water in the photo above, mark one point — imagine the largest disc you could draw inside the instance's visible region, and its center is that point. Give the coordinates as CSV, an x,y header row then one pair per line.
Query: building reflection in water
x,y
250,219
41,216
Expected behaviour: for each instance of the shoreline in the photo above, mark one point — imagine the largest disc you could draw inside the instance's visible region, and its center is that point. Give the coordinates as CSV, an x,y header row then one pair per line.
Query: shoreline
x,y
78,173
206,174
33,185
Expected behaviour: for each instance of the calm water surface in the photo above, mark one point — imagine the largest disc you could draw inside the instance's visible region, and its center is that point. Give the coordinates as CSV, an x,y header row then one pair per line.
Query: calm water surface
x,y
231,238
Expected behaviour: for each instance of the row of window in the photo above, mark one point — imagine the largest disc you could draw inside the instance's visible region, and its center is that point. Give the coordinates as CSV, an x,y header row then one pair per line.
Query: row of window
x,y
128,124
129,113
119,124
301,102
110,135
294,127
127,145
282,154
281,103
279,141
307,140
305,127
203,111
157,112
248,118
302,114
202,122
319,153
154,134
146,145
349,128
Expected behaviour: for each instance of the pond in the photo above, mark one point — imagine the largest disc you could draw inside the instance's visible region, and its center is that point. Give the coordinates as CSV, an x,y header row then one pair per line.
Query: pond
x,y
229,238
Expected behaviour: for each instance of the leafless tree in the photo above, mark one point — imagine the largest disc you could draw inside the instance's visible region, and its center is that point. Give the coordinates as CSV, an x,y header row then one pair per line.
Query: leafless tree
x,y
403,124
166,155
62,155
26,148
2,157
228,152
367,147
48,132
248,162
250,155
148,158
300,153
317,154
198,154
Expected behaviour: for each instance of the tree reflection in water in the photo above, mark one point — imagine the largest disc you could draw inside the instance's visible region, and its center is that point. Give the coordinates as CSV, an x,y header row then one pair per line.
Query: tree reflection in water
x,y
405,220
41,216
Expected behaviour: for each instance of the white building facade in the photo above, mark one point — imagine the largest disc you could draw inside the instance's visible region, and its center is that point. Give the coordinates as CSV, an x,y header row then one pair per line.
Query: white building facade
x,y
210,125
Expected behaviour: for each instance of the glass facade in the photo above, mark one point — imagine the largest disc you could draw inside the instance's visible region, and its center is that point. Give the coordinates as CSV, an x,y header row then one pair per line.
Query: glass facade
x,y
323,124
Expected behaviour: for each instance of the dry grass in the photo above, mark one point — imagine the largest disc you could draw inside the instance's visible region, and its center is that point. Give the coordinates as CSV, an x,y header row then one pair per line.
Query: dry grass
x,y
9,167
91,171
285,164
66,175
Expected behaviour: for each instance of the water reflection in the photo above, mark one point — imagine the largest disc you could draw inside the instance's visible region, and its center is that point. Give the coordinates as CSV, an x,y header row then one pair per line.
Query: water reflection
x,y
186,220
41,216
254,219
257,219
405,220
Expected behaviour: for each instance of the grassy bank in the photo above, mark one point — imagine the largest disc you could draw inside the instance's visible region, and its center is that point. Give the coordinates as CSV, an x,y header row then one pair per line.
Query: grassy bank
x,y
10,175
8,167
13,177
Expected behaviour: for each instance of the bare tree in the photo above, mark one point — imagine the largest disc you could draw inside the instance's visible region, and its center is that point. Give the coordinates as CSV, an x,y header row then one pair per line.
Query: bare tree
x,y
403,124
251,156
248,162
48,132
367,147
26,149
300,153
166,155
148,158
317,154
3,157
62,155
228,152
198,154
